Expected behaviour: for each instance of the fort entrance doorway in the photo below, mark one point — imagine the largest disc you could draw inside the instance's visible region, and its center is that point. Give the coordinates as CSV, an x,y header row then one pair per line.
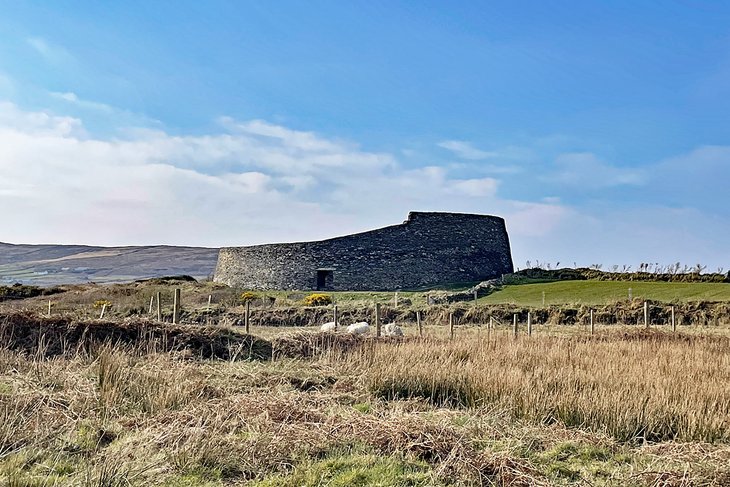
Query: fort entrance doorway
x,y
325,279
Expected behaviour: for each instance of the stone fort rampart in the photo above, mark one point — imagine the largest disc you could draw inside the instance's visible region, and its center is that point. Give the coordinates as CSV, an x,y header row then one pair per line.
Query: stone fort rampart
x,y
427,250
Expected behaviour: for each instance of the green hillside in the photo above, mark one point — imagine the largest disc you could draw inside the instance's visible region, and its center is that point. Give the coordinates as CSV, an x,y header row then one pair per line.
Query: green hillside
x,y
601,292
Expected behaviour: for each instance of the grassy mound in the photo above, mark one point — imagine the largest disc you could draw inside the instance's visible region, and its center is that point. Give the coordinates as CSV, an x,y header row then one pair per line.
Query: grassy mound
x,y
47,337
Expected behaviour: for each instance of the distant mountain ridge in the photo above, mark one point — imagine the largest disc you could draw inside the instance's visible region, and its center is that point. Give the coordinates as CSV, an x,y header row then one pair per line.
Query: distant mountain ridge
x,y
46,265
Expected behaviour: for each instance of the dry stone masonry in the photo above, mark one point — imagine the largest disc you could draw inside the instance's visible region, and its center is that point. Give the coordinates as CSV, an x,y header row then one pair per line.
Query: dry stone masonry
x,y
425,251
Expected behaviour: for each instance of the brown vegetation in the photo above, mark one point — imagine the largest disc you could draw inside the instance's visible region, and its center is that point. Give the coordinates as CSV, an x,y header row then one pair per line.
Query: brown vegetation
x,y
646,386
116,403
47,337
646,272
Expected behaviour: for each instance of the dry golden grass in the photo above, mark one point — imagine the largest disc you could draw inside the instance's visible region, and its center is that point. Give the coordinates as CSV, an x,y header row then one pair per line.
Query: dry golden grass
x,y
119,418
639,386
477,413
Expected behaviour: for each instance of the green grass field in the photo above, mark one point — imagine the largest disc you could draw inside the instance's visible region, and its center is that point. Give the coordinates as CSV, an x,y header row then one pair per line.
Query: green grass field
x,y
602,292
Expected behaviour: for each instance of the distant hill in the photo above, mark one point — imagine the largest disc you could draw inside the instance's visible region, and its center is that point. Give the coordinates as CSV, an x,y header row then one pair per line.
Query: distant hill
x,y
74,264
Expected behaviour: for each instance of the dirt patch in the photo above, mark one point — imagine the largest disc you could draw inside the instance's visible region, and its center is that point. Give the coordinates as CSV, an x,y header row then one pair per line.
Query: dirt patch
x,y
48,337
309,384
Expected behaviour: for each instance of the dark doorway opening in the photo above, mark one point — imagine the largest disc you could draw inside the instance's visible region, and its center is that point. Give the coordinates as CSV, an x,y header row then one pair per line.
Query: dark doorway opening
x,y
325,279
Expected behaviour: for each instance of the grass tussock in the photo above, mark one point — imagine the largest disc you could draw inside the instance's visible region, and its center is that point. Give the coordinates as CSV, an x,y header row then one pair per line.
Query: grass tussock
x,y
655,388
126,383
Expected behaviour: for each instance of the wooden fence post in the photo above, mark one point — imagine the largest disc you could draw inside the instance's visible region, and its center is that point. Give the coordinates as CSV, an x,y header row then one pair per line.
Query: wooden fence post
x,y
646,314
395,299
674,322
377,319
103,310
176,307
451,326
514,325
490,325
208,310
152,300
334,316
159,306
529,324
592,328
247,317
631,296
49,308
476,296
420,325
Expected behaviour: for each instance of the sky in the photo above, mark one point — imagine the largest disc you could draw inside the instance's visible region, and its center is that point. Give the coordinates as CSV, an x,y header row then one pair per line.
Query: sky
x,y
600,131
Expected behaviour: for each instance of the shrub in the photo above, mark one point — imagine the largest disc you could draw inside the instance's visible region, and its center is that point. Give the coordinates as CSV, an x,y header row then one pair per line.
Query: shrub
x,y
21,291
536,274
318,299
168,279
248,296
100,303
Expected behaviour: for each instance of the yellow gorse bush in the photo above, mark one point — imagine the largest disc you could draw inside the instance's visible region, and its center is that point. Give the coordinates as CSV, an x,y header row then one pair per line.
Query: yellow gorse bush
x,y
100,303
248,296
318,299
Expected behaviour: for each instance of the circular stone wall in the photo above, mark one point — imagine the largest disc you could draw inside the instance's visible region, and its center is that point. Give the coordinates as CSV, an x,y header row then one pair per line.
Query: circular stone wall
x,y
427,250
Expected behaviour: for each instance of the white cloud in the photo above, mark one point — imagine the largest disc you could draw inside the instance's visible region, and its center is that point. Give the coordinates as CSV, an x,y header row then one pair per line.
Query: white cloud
x,y
259,182
125,122
475,187
537,219
586,170
14,120
51,53
66,96
72,98
466,150
255,182
292,139
701,174
39,45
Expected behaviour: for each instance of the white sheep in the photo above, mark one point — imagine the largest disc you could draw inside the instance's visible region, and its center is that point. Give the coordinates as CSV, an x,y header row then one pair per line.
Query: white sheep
x,y
329,326
392,330
359,328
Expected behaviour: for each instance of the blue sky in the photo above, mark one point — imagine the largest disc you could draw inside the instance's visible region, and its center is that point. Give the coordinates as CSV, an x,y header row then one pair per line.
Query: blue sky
x,y
598,130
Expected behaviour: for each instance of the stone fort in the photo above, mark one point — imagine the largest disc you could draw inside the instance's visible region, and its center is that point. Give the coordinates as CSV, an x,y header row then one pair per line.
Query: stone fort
x,y
425,251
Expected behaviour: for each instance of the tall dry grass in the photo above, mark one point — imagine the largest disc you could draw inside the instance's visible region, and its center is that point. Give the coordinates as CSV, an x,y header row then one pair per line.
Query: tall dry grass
x,y
633,387
113,415
127,383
